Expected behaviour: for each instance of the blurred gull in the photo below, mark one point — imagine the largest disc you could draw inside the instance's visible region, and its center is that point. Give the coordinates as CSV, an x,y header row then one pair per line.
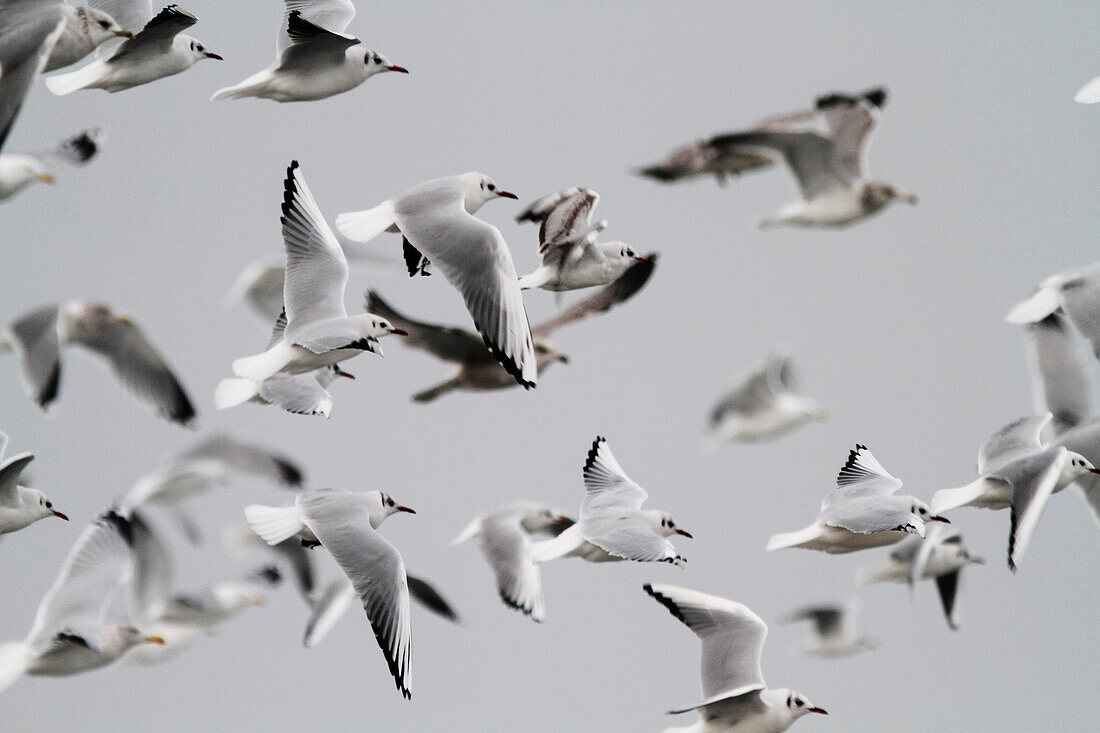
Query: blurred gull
x,y
735,698
436,222
570,256
160,49
20,506
835,632
862,512
17,170
1061,375
1075,293
315,58
763,405
478,370
1090,93
38,335
345,523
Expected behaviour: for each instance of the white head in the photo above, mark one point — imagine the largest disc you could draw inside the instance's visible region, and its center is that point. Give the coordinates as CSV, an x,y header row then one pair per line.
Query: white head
x,y
17,171
620,252
372,63
121,638
922,510
98,26
194,47
381,505
481,189
543,519
662,524
376,327
42,506
798,706
1078,465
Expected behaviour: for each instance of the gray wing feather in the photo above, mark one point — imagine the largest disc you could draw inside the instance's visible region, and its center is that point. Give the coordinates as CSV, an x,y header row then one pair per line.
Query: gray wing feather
x,y
1033,480
300,394
35,338
1061,379
507,549
1012,442
1081,302
157,36
28,31
810,156
10,470
312,46
448,343
332,15
246,458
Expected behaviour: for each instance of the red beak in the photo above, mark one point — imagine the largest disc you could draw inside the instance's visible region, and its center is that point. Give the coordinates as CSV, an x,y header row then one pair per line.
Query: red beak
x,y
399,332
685,533
823,711
507,195
341,373
1094,470
978,560
59,515
399,69
939,518
405,509
214,56
641,259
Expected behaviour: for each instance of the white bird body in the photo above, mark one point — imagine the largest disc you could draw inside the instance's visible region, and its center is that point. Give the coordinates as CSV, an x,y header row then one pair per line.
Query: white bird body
x,y
836,208
20,506
838,540
289,358
776,717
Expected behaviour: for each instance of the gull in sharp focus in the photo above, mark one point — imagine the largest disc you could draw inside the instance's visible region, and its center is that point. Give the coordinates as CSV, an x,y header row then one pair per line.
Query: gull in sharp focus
x,y
570,256
1017,471
76,628
735,698
42,35
863,511
613,526
317,332
315,58
835,631
763,405
20,506
505,539
941,556
345,523
160,49
37,337
437,223
478,370
19,170
828,166
1075,293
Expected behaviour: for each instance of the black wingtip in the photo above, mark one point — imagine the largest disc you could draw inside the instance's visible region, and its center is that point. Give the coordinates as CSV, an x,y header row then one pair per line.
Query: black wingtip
x,y
851,466
509,364
1012,520
298,27
666,602
51,388
84,145
590,460
876,96
120,523
289,474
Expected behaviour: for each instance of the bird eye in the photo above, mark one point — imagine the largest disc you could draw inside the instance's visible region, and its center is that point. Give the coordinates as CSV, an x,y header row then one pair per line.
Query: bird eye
x,y
49,505
492,187
800,702
104,24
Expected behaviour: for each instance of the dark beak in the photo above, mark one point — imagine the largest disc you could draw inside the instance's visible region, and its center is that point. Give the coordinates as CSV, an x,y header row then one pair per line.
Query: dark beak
x,y
685,533
124,34
341,373
399,69
399,332
210,55
507,195
1094,470
823,711
939,518
978,560
641,259
405,509
563,358
59,515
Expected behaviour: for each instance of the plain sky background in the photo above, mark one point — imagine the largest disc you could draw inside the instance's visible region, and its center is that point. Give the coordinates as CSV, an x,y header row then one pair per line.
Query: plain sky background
x,y
896,325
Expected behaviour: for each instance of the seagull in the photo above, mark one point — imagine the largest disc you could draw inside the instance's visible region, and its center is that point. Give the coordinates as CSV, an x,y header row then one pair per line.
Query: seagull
x,y
1074,293
940,556
1017,472
478,370
217,460
1090,93
832,180
763,405
505,538
862,512
315,58
345,523
317,331
38,335
735,698
706,158
836,633
17,171
160,49
570,256
43,35
69,634
260,288
1061,375
613,526
20,506
437,223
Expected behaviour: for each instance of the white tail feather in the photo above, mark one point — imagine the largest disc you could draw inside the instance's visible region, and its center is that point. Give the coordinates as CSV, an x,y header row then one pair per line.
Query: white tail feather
x,y
947,499
232,392
536,279
274,524
15,657
870,576
559,546
63,84
261,366
793,539
247,88
473,529
363,226
1040,305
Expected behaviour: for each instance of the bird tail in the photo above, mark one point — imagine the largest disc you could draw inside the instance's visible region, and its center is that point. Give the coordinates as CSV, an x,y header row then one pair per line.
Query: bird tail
x,y
552,549
947,499
363,226
232,392
259,367
274,523
63,84
471,530
1041,304
536,279
793,539
437,391
870,576
15,657
247,88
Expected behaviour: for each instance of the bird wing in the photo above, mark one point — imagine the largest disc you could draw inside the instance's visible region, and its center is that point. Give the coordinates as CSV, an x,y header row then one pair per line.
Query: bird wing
x,y
867,514
811,157
1012,442
754,393
630,537
508,550
75,150
300,394
10,470
1081,302
428,596
95,567
565,216
608,489
731,634
157,36
246,459
375,568
474,258
1033,479
151,589
35,337
328,608
861,476
621,290
331,15
316,269
827,620
1061,379
448,343
311,45
129,14
260,286
139,366
851,120
28,31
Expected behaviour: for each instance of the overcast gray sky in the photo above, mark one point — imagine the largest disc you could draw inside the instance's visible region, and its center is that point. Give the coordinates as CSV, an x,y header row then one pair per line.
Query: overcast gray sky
x,y
896,325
